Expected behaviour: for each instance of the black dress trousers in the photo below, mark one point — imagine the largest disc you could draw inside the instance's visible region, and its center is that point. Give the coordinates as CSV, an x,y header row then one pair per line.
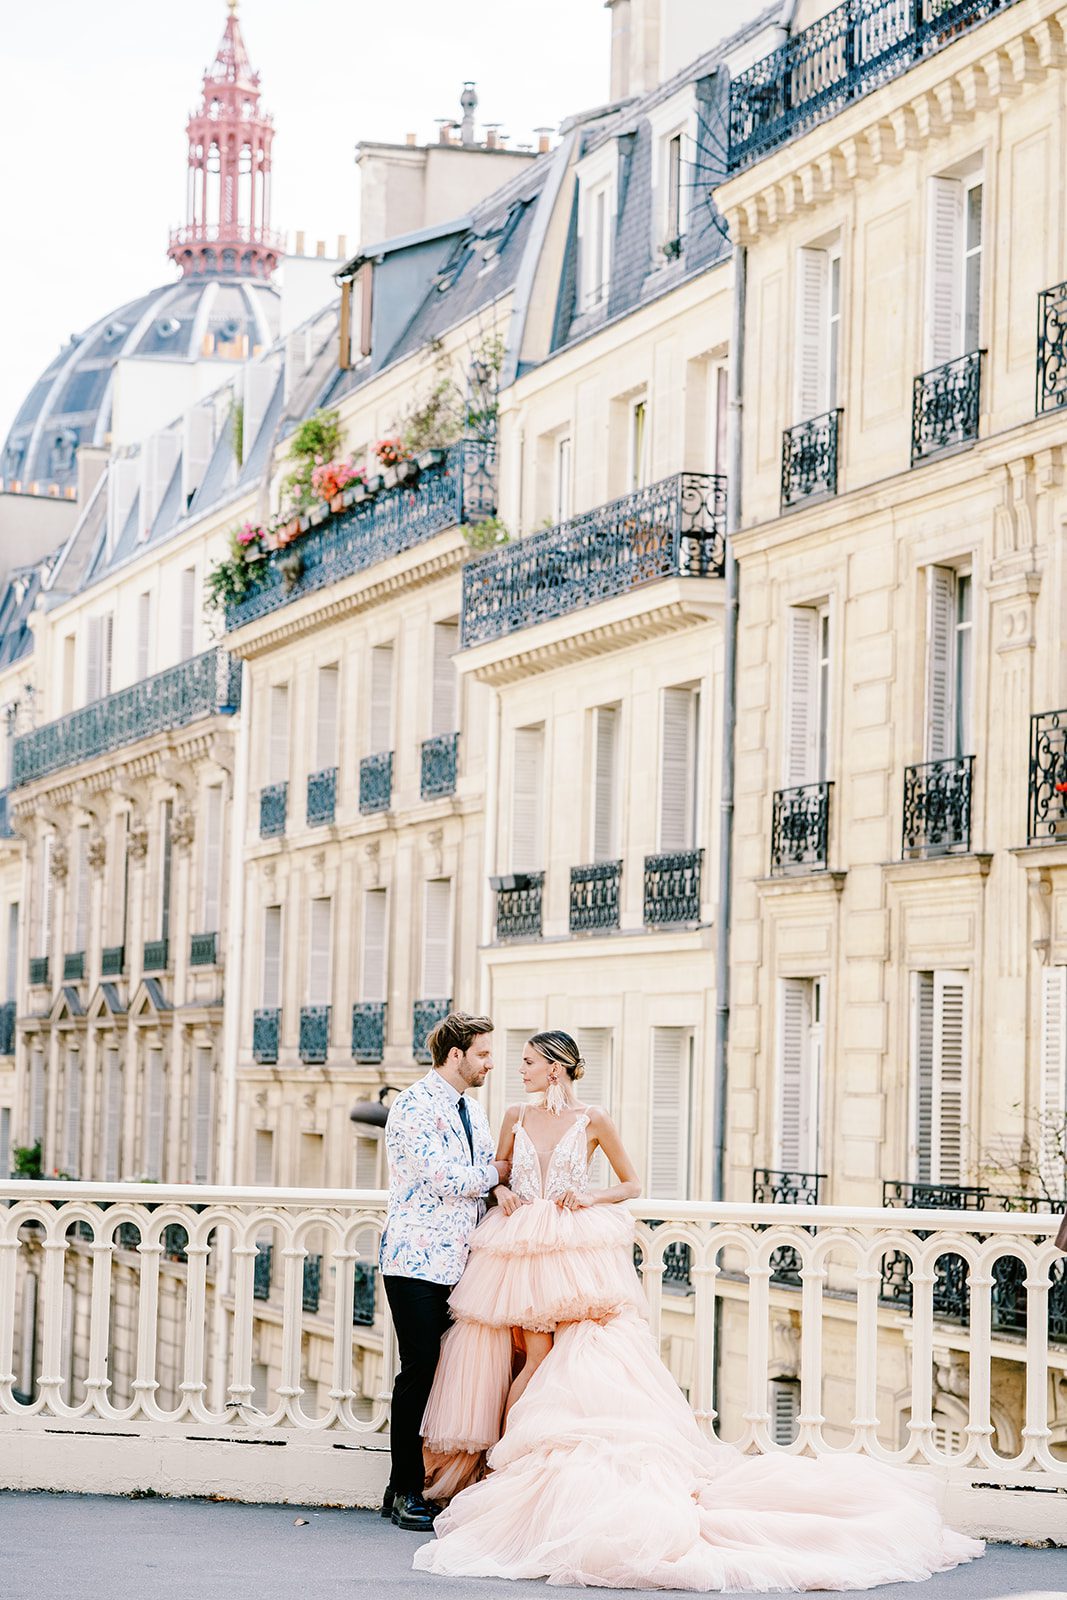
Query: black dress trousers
x,y
421,1319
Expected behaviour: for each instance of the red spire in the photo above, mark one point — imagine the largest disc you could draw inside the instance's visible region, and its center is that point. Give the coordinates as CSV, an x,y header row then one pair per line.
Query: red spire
x,y
228,216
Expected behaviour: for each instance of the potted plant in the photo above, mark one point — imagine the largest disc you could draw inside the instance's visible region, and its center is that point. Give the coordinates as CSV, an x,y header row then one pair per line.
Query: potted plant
x,y
27,1159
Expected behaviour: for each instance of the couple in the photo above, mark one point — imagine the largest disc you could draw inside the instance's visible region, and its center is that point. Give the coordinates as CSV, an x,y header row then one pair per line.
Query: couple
x,y
525,1350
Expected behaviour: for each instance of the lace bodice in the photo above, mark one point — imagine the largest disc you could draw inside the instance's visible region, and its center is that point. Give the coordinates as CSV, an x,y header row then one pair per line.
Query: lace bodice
x,y
568,1166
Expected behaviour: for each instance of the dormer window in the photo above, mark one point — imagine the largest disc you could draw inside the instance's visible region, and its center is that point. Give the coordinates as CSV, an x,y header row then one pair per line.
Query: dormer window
x,y
673,127
673,239
597,174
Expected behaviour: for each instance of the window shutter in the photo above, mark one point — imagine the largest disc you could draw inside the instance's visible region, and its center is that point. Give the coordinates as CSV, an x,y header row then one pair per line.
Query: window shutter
x,y
564,458
943,282
1053,1073
801,697
318,986
595,1089
37,1096
526,800
47,895
922,1002
198,443
677,770
94,659
514,1044
73,1125
941,625
272,956
812,367
144,634
793,1029
201,1130
375,964
437,940
166,818
211,857
368,1166
381,699
785,1409
326,724
153,1115
112,1114
12,950
605,785
445,643
668,1162
264,1157
81,888
107,633
279,733
950,1060
187,637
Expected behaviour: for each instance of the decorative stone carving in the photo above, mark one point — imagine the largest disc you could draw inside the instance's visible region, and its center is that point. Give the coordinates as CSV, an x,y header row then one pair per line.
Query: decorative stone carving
x,y
60,862
96,855
137,839
183,828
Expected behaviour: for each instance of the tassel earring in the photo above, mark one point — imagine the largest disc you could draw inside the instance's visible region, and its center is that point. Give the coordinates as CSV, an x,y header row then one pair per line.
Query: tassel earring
x,y
555,1097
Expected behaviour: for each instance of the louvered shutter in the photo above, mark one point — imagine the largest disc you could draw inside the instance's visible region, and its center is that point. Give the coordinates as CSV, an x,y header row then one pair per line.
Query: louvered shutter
x,y
785,1409
144,634
922,1024
211,859
201,1116
801,730
94,657
793,1039
37,1096
374,984
381,699
445,643
943,274
318,987
272,956
668,1161
940,684
260,382
1053,1074
526,800
264,1157
564,458
605,785
812,369
198,443
153,1115
279,733
112,1114
514,1044
12,950
47,895
437,940
677,770
81,888
595,1089
166,845
950,1073
368,1163
187,635
107,637
5,1138
326,719
73,1120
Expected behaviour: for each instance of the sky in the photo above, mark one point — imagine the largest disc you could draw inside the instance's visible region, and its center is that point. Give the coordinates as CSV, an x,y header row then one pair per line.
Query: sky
x,y
94,100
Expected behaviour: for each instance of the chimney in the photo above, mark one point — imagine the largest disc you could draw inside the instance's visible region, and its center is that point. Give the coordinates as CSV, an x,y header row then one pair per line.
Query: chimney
x,y
411,139
320,249
444,130
299,251
469,102
543,137
341,247
490,135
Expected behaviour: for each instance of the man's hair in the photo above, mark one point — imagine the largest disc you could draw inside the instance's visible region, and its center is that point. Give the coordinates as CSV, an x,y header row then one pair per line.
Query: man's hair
x,y
457,1031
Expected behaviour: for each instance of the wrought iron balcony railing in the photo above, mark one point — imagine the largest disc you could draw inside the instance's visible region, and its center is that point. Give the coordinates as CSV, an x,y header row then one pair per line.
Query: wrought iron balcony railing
x,y
312,1285
937,807
6,830
321,797
39,971
156,955
426,1014
204,950
1051,349
945,407
273,807
809,460
362,1296
113,961
368,1030
674,528
800,829
458,488
438,766
73,966
1048,778
205,686
266,1034
518,904
314,1034
843,56
786,1188
7,1028
261,1272
595,896
376,783
672,888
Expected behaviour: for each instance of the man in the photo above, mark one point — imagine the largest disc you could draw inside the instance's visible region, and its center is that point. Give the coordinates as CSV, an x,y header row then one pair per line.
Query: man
x,y
440,1172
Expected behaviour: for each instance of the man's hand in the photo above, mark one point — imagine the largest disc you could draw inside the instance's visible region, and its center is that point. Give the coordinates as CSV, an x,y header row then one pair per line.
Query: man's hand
x,y
507,1201
503,1168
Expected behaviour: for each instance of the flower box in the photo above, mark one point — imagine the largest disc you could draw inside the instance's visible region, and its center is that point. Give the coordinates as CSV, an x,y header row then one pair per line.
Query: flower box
x,y
406,471
429,458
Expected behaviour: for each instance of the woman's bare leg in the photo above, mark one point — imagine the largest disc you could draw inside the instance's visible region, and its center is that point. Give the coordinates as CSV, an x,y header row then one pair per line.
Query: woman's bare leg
x,y
537,1347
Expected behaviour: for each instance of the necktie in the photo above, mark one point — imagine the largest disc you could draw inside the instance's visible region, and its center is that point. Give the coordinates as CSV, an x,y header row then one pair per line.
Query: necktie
x,y
465,1118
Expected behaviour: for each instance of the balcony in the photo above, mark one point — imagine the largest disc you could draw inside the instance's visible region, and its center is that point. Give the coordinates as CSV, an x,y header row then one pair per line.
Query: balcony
x,y
311,1287
800,829
437,767
314,1035
321,797
376,783
770,1188
73,966
7,1028
672,888
204,950
1051,349
273,806
6,830
156,955
205,686
945,408
847,54
937,808
674,528
458,487
266,1031
113,961
426,1014
809,460
518,904
368,1031
1048,778
595,897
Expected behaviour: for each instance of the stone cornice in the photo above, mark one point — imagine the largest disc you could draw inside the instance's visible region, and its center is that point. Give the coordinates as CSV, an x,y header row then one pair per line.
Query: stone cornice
x,y
975,74
130,765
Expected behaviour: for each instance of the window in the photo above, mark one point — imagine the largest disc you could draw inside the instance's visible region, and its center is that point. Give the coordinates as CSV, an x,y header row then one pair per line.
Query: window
x,y
98,657
80,928
949,654
526,800
800,1063
68,674
939,1056
72,1113
443,715
119,903
5,1138
673,189
187,614
596,1089
312,1161
818,330
595,243
144,635
154,1099
111,1115
368,1162
318,982
278,747
718,414
954,269
47,891
211,859
328,702
678,750
11,987
38,1094
437,939
514,1044
201,1117
263,1157
604,828
374,975
670,1114
166,821
807,728
562,496
381,699
639,444
1053,1072
785,1409
272,958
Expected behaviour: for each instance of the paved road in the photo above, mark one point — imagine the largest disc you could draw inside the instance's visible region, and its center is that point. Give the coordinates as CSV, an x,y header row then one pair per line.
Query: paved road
x,y
88,1547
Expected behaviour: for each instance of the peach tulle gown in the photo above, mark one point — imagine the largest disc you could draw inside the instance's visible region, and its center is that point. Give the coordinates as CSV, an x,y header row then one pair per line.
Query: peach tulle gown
x,y
603,1477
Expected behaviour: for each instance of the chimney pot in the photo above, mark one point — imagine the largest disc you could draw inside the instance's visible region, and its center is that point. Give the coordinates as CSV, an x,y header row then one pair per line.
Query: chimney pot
x,y
542,144
320,249
410,138
342,247
299,242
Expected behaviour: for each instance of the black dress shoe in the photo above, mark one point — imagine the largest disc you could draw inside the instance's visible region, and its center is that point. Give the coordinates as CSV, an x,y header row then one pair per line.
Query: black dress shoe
x,y
387,1501
412,1512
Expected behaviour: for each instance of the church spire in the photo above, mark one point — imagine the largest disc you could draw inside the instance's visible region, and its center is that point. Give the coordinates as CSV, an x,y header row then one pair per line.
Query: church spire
x,y
227,226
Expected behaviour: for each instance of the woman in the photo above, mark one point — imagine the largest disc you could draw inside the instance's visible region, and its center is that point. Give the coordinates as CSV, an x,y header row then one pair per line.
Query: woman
x,y
603,1476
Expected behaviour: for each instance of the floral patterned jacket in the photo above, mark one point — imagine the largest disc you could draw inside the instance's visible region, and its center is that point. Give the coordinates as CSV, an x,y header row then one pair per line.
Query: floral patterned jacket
x,y
436,1194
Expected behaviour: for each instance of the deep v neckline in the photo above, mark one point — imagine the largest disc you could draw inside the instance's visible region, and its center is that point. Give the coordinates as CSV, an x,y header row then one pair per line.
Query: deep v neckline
x,y
544,1173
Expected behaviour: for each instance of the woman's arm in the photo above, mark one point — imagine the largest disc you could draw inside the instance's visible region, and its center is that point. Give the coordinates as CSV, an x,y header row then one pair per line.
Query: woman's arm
x,y
606,1136
503,1196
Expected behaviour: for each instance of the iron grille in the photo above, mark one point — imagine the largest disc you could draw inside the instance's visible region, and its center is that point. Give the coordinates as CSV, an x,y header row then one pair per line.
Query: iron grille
x,y
368,1030
39,970
363,1296
156,955
595,896
6,830
7,1028
273,805
672,888
809,460
314,1034
312,1285
800,829
1051,352
438,766
1048,777
73,966
266,1029
945,407
261,1271
376,783
321,797
203,949
426,1014
113,961
791,1189
937,807
518,905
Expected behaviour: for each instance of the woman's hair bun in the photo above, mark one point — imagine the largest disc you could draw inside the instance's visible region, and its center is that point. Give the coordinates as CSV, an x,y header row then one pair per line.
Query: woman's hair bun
x,y
578,1070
